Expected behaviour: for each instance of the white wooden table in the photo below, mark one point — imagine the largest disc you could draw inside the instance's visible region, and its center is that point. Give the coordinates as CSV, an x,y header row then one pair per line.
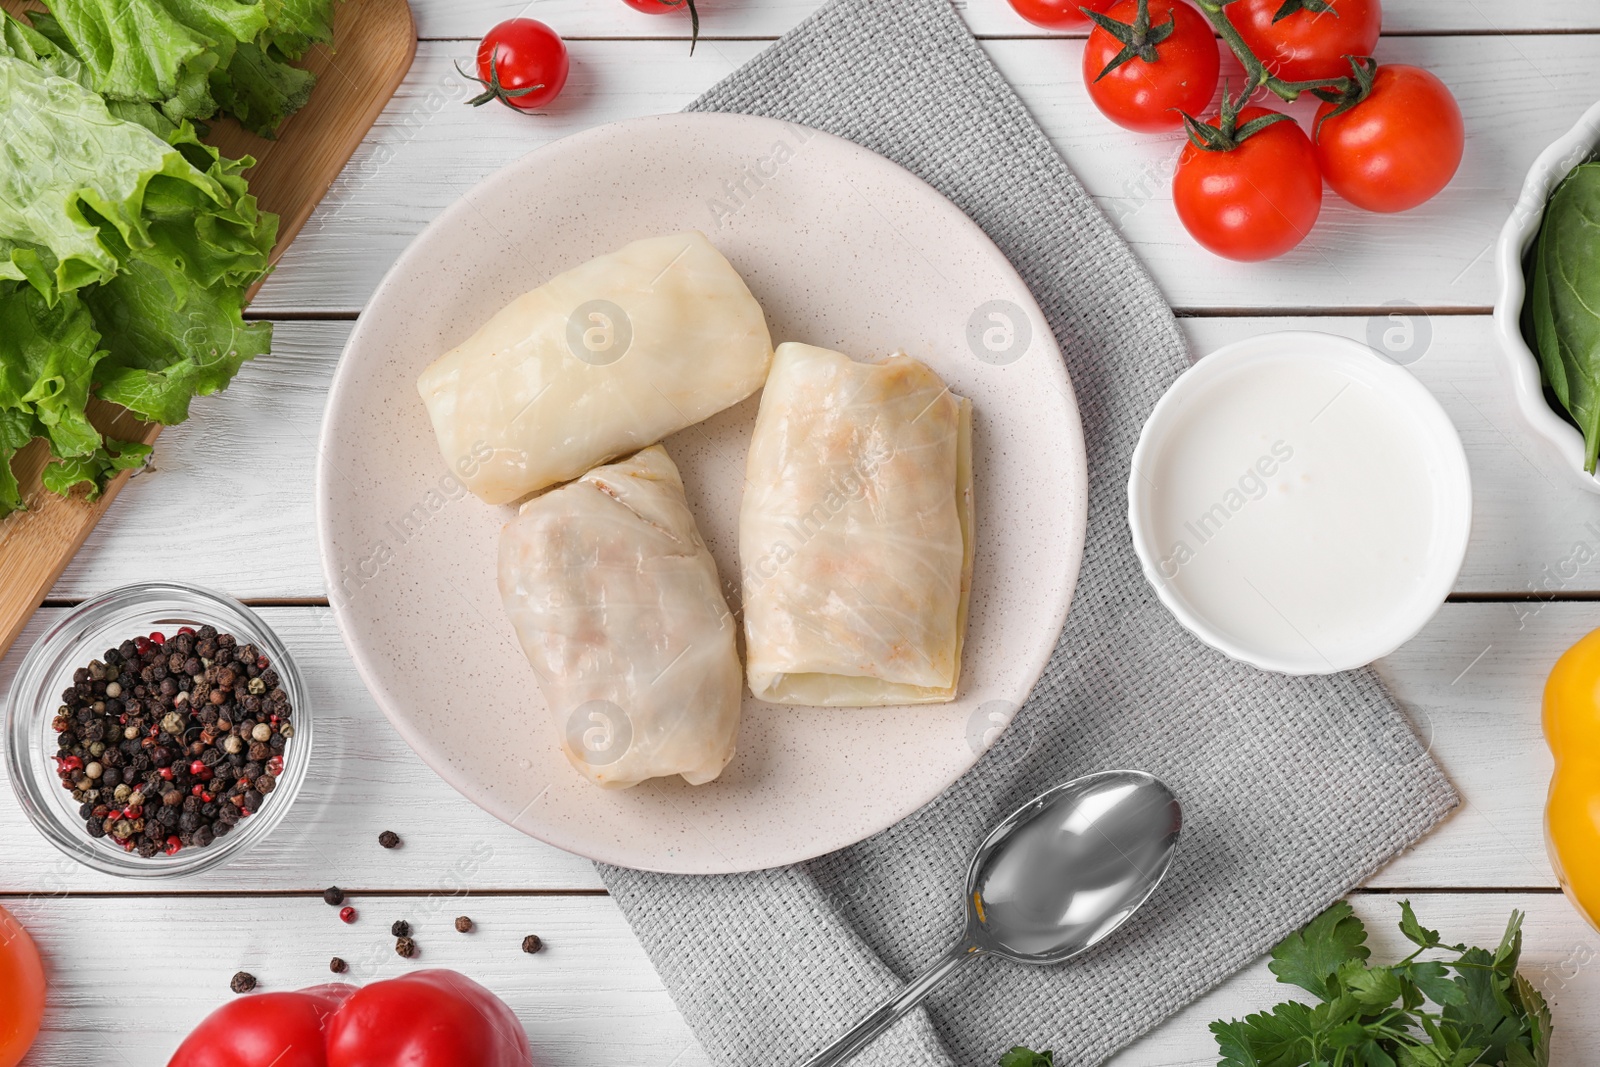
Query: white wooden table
x,y
1522,71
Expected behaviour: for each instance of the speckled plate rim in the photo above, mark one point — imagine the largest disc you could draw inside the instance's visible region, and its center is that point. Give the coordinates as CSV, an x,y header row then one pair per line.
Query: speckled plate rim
x,y
417,257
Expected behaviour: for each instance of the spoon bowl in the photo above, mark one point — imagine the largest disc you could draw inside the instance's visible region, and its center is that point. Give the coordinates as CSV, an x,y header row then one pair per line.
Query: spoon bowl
x,y
1052,880
1062,872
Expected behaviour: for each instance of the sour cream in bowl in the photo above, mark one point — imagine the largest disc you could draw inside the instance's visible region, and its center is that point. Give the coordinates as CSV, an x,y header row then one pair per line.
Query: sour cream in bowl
x,y
1300,503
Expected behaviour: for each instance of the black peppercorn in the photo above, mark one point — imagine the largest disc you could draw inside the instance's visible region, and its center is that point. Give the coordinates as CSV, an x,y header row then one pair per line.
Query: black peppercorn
x,y
532,944
243,982
333,895
400,928
389,839
463,924
337,966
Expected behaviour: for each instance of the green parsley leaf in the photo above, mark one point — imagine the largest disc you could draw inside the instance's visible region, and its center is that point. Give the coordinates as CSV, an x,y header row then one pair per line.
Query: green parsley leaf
x,y
1433,979
1415,932
1309,958
1373,988
1378,1016
1026,1057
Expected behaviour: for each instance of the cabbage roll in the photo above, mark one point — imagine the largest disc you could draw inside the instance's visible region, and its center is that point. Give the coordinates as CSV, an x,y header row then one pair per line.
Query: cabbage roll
x,y
855,536
617,606
597,363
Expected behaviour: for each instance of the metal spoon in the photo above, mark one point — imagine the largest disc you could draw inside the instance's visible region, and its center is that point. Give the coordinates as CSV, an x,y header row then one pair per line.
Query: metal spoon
x,y
1053,879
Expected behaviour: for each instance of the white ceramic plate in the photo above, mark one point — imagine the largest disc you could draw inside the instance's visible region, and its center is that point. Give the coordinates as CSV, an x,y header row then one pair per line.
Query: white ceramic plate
x,y
1321,509
843,249
1516,238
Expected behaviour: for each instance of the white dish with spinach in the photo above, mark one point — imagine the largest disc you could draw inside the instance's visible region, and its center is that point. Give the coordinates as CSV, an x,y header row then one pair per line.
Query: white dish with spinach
x,y
1548,261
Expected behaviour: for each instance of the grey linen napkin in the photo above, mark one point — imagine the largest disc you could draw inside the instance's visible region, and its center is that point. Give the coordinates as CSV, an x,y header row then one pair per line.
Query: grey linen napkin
x,y
1295,790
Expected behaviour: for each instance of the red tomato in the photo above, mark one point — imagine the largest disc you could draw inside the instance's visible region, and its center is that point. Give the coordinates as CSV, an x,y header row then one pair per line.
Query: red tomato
x,y
1307,45
1255,202
21,990
1148,96
662,7
522,63
281,1029
658,7
1398,147
1055,14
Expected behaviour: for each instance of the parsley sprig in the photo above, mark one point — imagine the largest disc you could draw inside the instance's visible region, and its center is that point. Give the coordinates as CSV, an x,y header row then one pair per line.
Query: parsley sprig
x,y
1482,1011
1458,1007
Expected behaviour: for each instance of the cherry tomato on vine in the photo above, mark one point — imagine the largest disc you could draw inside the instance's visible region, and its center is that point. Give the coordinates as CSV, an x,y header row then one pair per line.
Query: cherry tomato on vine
x,y
1395,148
522,63
1311,38
1148,96
1055,14
1255,201
663,7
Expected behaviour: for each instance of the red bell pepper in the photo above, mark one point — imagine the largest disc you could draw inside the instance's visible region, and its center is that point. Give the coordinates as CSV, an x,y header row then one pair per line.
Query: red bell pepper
x,y
425,1019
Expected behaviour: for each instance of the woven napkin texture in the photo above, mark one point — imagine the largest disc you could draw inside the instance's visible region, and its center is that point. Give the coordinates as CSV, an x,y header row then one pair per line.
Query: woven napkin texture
x,y
1294,789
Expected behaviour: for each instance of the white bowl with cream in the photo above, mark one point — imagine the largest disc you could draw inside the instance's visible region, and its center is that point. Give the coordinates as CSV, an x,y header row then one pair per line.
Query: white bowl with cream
x,y
1300,503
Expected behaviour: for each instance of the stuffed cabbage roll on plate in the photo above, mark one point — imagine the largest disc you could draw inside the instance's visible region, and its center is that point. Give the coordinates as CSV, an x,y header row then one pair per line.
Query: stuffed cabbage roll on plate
x,y
856,532
617,606
597,362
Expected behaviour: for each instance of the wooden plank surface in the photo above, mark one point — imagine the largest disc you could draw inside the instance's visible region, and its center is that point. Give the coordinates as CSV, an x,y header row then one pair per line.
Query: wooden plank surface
x,y
429,148
1471,683
991,18
591,998
1528,520
377,41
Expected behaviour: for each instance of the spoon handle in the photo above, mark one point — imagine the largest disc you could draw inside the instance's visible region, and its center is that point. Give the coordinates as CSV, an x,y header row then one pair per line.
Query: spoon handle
x,y
868,1029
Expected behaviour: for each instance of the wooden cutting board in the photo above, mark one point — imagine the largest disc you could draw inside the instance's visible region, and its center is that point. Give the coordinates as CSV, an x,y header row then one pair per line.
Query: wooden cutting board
x,y
374,42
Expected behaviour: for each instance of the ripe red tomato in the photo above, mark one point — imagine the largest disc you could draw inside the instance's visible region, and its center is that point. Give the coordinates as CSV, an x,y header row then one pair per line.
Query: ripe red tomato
x,y
658,7
1148,96
1255,202
1398,147
522,63
662,7
1307,44
1055,14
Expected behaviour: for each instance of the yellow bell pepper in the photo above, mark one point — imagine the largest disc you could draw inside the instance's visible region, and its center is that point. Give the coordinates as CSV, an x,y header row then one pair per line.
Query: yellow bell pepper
x,y
1572,812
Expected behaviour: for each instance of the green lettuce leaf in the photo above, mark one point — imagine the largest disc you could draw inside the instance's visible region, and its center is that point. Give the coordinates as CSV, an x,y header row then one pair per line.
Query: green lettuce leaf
x,y
296,25
170,339
95,469
259,89
124,262
155,51
74,181
47,362
192,58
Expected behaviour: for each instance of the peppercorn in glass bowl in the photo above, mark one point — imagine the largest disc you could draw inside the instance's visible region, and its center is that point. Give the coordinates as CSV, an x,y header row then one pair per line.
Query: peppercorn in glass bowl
x,y
163,746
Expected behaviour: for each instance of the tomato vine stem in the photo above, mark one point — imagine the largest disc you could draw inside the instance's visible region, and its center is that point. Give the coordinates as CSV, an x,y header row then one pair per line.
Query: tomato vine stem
x,y
1257,76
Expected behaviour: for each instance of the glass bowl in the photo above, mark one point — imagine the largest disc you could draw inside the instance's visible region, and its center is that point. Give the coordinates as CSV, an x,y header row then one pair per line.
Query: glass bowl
x,y
83,635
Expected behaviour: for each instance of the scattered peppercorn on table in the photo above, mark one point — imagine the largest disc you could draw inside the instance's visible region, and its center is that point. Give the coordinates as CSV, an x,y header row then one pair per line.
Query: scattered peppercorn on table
x,y
458,889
